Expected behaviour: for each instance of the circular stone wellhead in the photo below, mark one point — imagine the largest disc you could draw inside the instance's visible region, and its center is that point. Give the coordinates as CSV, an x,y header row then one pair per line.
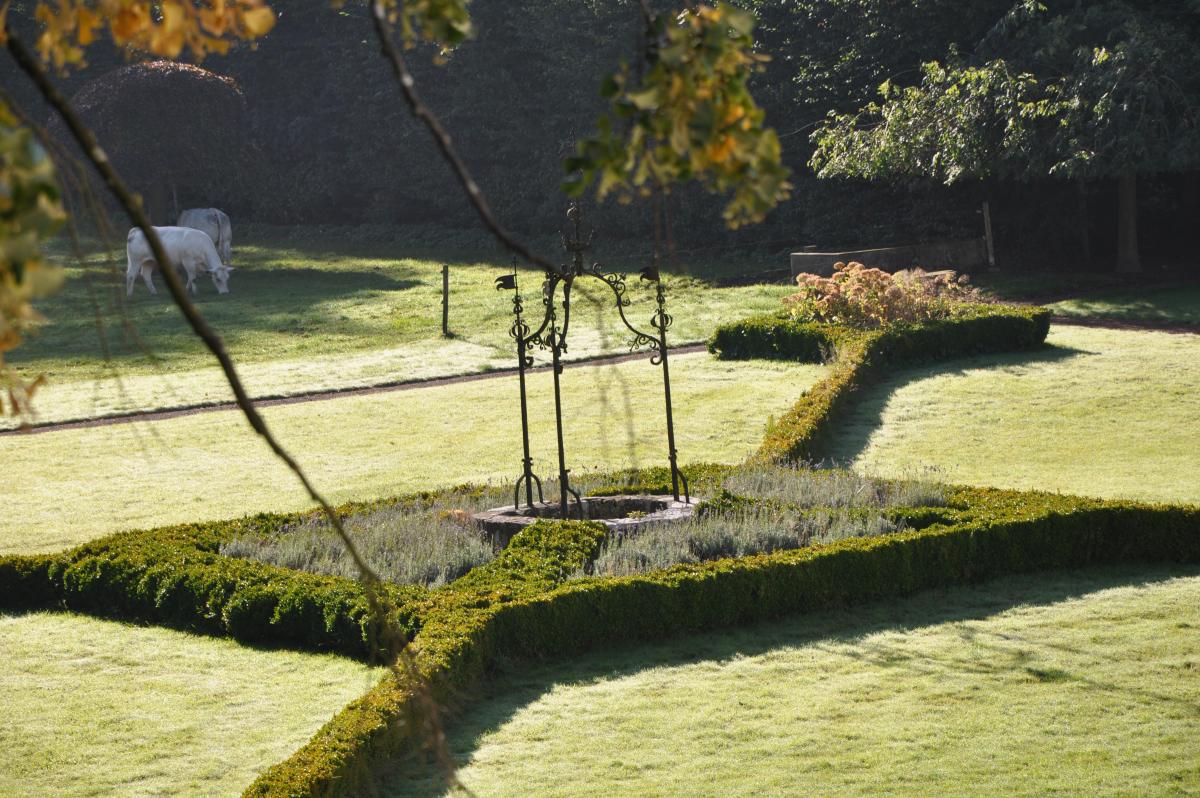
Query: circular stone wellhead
x,y
621,514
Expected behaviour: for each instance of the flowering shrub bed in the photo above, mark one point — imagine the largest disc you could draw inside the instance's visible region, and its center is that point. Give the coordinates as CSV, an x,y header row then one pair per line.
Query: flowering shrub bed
x,y
870,298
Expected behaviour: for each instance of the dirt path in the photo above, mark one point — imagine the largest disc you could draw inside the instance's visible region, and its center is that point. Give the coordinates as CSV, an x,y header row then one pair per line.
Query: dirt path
x,y
318,396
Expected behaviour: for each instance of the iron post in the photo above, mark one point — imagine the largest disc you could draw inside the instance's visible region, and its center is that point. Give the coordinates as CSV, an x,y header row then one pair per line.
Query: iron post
x,y
577,240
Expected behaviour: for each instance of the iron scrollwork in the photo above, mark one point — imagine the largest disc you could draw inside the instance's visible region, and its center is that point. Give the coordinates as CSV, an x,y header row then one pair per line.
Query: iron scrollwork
x,y
550,336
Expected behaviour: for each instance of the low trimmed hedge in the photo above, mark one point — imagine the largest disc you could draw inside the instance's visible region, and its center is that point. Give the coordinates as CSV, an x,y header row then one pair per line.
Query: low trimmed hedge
x,y
452,650
863,357
519,607
522,605
25,582
176,577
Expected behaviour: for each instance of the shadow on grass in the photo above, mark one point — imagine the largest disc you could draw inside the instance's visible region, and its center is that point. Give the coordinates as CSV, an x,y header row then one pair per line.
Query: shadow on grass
x,y
285,300
519,685
851,437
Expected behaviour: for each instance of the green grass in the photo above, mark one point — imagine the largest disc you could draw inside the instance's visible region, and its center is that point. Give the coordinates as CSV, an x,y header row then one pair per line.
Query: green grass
x,y
1173,304
322,314
1108,413
97,708
1053,684
78,484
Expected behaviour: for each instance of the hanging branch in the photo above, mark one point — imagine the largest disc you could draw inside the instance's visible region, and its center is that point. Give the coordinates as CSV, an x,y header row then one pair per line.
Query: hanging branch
x,y
133,207
383,29
401,662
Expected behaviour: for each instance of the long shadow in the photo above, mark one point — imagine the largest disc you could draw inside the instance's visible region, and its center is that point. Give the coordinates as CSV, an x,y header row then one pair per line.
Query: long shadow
x,y
851,439
270,299
519,685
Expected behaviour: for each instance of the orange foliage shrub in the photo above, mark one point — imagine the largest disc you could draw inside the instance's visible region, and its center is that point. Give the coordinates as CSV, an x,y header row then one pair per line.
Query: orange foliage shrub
x,y
870,298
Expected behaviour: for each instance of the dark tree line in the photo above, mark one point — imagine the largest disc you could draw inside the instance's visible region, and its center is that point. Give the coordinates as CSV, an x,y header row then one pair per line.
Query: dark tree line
x,y
330,144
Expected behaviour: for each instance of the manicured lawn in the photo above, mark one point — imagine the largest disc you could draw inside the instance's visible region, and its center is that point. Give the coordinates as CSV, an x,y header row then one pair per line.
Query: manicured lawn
x,y
97,708
1110,413
1174,304
78,484
325,314
1053,684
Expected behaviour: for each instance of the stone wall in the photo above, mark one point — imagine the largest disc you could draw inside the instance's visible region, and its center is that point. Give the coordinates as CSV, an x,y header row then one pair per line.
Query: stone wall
x,y
964,254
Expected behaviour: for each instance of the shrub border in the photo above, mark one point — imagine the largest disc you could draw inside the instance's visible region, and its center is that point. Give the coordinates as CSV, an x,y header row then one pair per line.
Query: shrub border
x,y
500,612
176,577
521,605
862,357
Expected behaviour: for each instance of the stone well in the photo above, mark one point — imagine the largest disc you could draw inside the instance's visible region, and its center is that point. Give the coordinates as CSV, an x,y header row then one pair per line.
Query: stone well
x,y
621,514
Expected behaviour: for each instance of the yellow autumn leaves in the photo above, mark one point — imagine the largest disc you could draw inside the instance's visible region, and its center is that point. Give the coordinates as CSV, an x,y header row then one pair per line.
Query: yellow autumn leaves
x,y
30,212
164,28
688,116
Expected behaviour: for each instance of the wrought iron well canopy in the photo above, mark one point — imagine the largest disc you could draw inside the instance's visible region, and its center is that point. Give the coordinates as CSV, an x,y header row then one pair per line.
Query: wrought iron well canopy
x,y
550,335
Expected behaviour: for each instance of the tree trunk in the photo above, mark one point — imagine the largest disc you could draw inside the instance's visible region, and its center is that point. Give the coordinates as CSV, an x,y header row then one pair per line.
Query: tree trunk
x,y
157,203
1128,261
1085,237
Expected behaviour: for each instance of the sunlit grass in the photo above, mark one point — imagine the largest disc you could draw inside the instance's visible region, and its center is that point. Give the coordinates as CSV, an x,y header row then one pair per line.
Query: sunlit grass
x,y
78,484
1053,684
97,708
1111,413
324,315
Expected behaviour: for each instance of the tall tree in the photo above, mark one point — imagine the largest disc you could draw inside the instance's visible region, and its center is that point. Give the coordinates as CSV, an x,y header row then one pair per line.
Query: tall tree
x,y
1069,89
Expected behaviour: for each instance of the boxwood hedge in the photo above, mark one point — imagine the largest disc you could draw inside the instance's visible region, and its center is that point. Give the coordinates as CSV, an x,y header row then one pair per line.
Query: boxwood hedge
x,y
863,356
523,605
520,606
175,576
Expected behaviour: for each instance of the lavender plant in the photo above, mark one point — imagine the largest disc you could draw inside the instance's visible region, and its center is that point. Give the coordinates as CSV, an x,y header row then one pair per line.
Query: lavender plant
x,y
426,543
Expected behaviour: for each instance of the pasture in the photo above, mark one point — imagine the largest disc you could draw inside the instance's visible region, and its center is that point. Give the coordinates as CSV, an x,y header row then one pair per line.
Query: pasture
x,y
96,707
321,315
1070,683
1169,304
921,691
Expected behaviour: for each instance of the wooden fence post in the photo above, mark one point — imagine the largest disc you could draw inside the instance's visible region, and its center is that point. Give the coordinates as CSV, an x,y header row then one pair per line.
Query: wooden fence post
x,y
987,234
445,300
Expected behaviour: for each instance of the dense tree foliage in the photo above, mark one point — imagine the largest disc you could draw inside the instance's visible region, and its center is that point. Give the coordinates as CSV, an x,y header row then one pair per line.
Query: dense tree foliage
x,y
686,111
1109,89
334,145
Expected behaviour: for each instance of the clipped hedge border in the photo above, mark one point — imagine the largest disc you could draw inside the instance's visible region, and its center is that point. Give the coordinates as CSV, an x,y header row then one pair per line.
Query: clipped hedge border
x,y
176,577
520,606
452,650
863,357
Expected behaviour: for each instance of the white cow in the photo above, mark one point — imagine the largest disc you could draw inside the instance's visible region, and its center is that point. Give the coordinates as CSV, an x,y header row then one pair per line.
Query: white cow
x,y
215,222
186,248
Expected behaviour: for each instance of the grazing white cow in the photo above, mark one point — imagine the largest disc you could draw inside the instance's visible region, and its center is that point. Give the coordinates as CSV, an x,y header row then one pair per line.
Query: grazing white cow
x,y
215,222
187,249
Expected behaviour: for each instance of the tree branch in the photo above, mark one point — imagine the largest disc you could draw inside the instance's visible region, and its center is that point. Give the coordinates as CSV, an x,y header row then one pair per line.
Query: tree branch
x,y
137,214
408,86
384,633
